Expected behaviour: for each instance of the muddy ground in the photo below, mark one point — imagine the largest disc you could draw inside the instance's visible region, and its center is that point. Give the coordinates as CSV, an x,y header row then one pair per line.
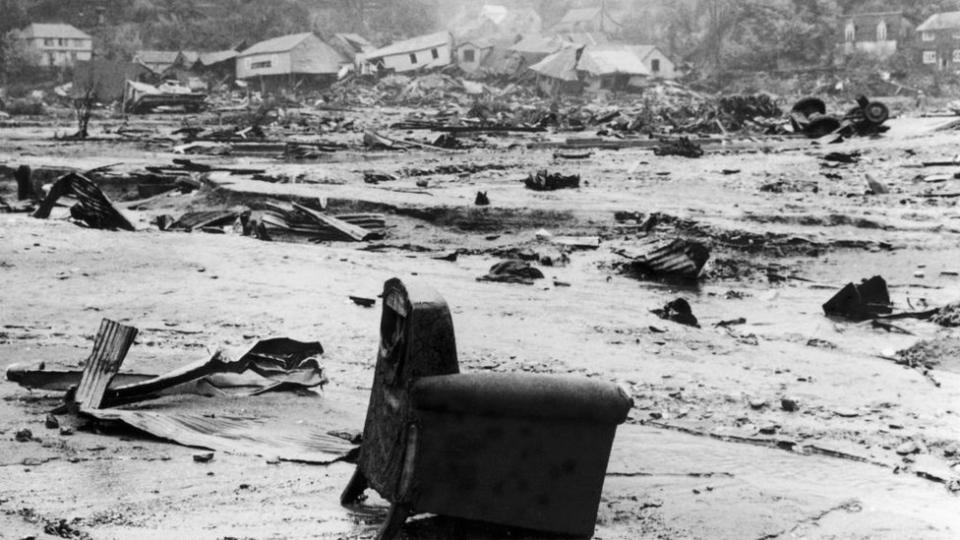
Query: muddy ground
x,y
708,450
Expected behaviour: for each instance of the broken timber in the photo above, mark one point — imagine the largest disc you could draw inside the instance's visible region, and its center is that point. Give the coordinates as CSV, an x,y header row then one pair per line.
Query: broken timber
x,y
351,232
667,258
93,207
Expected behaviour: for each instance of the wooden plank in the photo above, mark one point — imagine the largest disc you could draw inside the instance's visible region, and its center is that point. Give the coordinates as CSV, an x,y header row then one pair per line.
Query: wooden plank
x,y
109,349
353,232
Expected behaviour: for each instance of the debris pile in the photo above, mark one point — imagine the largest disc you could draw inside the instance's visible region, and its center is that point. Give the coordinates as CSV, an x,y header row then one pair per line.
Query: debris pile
x,y
546,181
513,271
859,302
279,364
678,311
677,258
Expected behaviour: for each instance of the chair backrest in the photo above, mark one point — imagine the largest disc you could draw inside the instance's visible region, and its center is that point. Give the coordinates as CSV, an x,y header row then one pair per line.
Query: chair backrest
x,y
416,340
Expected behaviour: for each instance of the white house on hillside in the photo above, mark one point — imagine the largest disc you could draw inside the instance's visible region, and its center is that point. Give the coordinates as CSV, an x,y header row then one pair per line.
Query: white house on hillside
x,y
58,44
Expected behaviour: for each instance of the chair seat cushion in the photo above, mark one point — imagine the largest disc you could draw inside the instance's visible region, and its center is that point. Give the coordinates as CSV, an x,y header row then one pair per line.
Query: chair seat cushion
x,y
525,396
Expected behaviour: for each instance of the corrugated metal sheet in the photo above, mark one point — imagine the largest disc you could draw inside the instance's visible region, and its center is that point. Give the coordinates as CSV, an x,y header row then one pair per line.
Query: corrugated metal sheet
x,y
233,435
668,257
109,349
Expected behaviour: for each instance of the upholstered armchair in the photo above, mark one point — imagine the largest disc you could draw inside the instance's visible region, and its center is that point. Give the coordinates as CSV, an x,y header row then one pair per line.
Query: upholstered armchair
x,y
519,450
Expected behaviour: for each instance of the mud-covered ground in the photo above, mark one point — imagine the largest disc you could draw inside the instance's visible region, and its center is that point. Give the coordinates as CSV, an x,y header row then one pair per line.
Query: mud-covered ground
x,y
708,450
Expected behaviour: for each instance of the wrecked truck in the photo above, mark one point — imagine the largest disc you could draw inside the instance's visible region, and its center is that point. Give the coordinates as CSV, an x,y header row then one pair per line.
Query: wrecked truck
x,y
809,116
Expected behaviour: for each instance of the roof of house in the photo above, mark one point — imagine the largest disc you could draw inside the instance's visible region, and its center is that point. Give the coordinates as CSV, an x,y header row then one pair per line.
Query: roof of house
x,y
58,30
358,42
277,44
190,57
941,21
614,59
216,57
537,44
559,65
480,43
156,57
585,38
406,46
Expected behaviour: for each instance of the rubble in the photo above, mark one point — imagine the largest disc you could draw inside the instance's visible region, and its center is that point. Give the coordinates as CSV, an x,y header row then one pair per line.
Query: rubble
x,y
678,311
682,146
654,257
92,208
546,181
282,363
141,98
809,116
858,302
513,271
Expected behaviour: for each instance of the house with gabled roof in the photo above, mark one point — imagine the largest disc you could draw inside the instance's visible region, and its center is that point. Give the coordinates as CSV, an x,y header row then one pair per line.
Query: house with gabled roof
x,y
878,33
58,44
598,68
156,61
290,61
422,52
939,41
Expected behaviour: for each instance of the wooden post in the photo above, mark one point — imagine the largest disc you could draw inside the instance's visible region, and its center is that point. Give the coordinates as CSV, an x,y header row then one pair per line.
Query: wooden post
x,y
24,187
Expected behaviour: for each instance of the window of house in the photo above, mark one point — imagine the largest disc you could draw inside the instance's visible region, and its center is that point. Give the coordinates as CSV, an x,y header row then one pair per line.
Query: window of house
x,y
73,56
655,65
882,31
262,64
927,36
62,42
48,42
413,58
850,32
929,57
956,35
469,55
434,53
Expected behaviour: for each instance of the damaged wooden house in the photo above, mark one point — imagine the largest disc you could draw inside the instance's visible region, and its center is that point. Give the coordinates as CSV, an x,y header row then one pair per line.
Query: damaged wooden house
x,y
296,61
422,52
575,69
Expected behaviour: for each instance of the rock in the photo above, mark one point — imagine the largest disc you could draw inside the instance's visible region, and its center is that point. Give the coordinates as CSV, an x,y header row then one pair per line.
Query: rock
x,y
789,404
758,403
51,422
24,435
66,431
205,457
482,199
907,448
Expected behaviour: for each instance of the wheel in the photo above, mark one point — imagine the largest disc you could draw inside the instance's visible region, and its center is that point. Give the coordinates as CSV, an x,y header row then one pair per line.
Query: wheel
x,y
876,112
